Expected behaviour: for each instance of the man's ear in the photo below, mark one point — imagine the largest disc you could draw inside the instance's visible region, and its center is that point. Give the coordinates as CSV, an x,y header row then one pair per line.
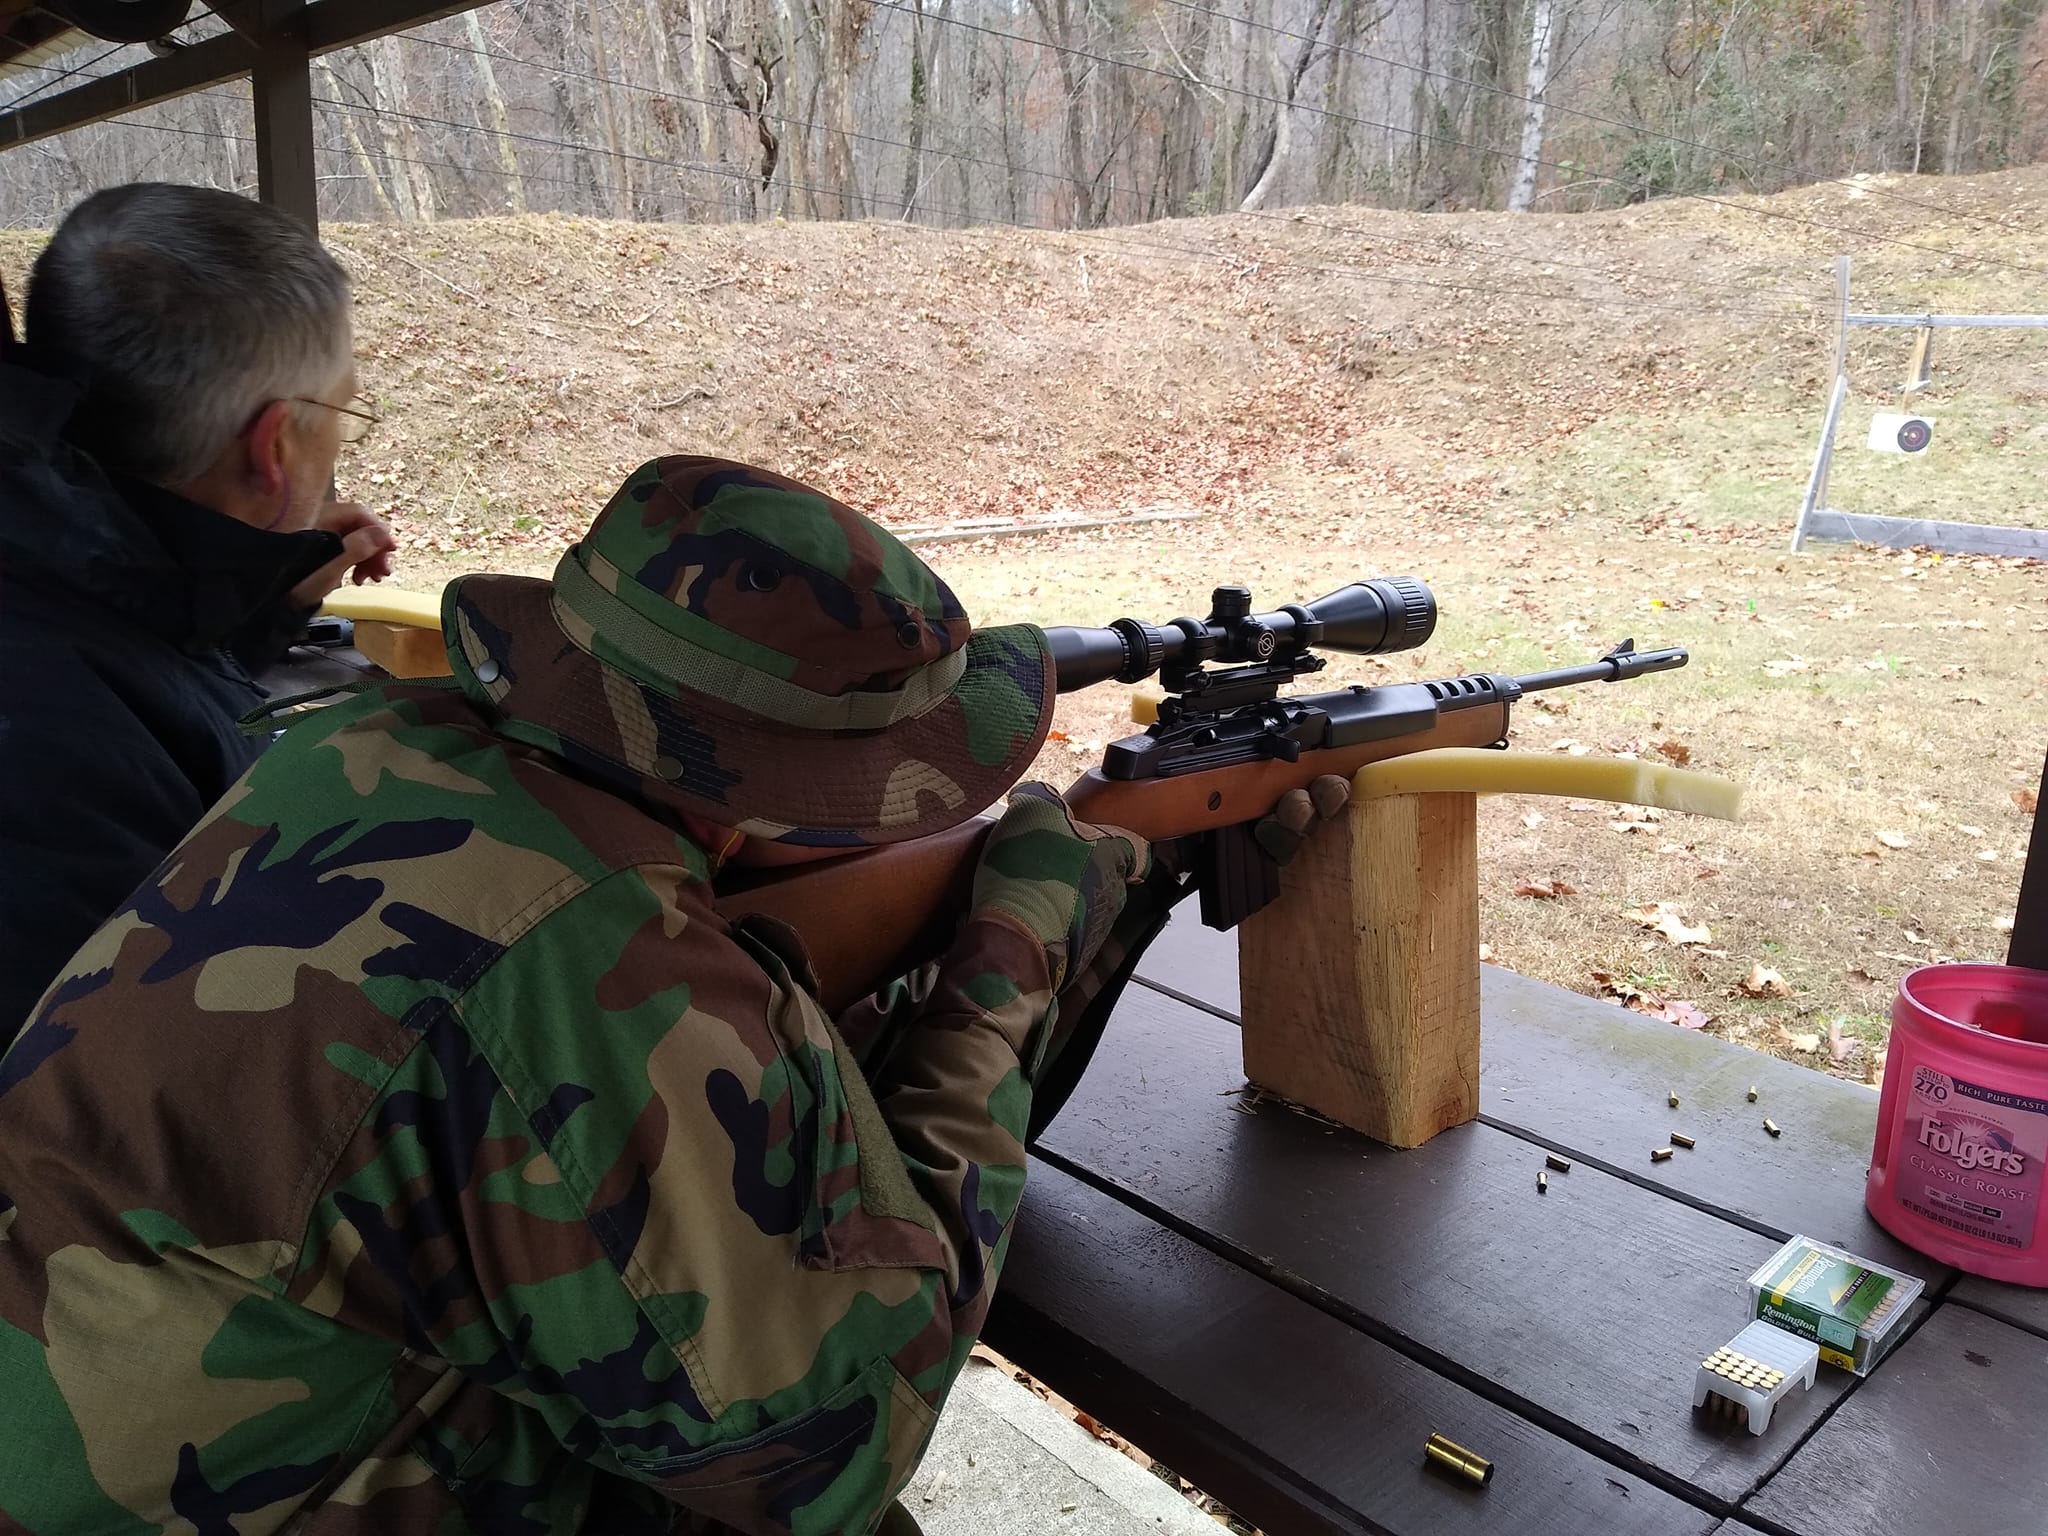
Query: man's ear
x,y
265,448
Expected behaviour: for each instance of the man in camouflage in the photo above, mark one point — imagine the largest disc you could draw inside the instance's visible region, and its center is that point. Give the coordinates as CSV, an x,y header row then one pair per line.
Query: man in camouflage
x,y
417,1149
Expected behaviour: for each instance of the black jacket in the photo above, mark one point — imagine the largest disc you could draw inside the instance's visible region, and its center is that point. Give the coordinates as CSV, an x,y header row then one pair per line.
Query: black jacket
x,y
130,622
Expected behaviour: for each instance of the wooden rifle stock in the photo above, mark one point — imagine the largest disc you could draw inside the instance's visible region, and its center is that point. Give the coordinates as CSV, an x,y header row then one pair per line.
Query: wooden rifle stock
x,y
868,918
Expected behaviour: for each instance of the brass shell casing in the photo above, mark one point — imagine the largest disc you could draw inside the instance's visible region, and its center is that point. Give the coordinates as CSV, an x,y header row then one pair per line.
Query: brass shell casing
x,y
1453,1457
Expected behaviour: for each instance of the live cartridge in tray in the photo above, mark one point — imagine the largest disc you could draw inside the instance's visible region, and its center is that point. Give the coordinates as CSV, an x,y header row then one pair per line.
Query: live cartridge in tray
x,y
1850,1307
1745,1377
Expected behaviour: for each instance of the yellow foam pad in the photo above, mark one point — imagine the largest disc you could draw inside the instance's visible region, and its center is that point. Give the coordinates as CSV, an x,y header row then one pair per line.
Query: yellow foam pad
x,y
1145,707
1478,770
388,605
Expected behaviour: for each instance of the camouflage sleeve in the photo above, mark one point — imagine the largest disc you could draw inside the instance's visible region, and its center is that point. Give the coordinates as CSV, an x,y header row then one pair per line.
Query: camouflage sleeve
x,y
635,1180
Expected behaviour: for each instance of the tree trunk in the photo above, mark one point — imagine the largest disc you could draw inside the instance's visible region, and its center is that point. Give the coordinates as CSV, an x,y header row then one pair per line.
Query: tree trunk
x,y
1181,134
845,21
700,77
501,123
1523,193
1288,82
796,132
600,61
410,175
1902,78
919,105
382,198
1073,207
924,58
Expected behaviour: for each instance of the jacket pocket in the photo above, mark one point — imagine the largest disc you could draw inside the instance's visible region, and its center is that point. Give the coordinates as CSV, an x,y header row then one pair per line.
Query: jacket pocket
x,y
860,1209
836,1465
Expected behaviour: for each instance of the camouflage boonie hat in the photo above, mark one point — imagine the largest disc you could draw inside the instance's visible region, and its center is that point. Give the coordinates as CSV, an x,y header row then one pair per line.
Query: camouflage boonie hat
x,y
736,645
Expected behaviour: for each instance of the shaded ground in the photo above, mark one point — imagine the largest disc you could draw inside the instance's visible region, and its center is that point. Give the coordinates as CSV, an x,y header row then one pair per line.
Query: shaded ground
x,y
1575,428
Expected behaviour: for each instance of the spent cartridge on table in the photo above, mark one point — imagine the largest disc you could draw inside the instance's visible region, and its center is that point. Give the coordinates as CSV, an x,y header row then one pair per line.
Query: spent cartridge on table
x,y
1454,1458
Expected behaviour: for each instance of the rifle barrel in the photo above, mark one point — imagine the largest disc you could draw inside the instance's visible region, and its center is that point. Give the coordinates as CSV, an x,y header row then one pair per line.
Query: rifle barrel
x,y
1617,666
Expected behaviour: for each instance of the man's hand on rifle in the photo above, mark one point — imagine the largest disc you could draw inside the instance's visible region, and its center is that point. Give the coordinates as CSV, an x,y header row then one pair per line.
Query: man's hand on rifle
x,y
1068,881
1284,829
1063,880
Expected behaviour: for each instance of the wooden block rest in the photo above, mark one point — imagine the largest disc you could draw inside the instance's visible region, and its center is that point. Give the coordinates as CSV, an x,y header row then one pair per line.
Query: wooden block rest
x,y
1360,984
403,650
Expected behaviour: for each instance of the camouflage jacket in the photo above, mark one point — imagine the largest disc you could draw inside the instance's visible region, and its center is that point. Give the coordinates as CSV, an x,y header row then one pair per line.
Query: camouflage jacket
x,y
417,1150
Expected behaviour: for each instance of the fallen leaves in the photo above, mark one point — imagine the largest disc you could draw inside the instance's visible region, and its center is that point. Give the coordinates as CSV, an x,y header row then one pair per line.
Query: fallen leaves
x,y
1840,1050
1762,981
1686,1015
1894,839
2026,801
1545,890
1677,751
1670,923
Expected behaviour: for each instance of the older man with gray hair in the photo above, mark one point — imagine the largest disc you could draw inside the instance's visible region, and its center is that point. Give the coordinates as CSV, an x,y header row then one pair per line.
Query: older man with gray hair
x,y
169,427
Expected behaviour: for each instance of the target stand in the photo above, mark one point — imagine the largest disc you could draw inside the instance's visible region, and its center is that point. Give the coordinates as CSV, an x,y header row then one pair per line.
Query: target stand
x,y
1902,433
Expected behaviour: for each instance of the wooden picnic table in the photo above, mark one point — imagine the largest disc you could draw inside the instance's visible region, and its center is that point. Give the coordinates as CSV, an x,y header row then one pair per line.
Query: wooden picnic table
x,y
1283,1311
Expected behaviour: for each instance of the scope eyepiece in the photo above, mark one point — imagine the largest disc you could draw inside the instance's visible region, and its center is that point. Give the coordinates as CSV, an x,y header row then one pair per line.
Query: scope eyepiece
x,y
1387,613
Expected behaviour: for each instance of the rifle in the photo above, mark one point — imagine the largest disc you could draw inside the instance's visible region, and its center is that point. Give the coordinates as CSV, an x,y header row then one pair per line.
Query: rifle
x,y
1224,748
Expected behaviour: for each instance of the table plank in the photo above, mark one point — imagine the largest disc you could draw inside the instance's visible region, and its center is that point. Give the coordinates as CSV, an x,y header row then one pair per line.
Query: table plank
x,y
2016,1304
1193,962
1590,1078
1945,1436
1588,1308
1297,1422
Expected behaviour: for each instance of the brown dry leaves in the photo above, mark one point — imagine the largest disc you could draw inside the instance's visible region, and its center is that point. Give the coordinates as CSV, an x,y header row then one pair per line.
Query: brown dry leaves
x,y
1544,889
1762,981
1686,1015
1670,923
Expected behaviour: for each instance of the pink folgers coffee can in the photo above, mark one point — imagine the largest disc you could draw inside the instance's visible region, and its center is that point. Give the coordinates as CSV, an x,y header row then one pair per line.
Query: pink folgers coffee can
x,y
1962,1126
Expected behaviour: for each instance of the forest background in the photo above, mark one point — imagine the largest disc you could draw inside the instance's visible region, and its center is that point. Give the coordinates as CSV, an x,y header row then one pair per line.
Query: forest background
x,y
1088,113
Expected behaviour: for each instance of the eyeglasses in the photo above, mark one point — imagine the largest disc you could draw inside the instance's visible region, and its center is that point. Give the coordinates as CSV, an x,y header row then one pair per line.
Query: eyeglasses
x,y
356,421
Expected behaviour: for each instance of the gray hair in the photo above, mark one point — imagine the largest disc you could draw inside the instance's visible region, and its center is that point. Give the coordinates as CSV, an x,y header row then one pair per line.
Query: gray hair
x,y
193,308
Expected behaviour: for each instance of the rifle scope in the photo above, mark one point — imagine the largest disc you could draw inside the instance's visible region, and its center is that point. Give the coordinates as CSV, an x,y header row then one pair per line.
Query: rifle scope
x,y
1366,618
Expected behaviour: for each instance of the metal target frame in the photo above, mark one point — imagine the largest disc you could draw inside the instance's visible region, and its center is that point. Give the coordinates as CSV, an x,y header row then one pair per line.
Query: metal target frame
x,y
1817,520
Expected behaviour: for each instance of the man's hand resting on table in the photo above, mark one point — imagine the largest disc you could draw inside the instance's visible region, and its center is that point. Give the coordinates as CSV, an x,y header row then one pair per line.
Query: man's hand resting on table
x,y
366,547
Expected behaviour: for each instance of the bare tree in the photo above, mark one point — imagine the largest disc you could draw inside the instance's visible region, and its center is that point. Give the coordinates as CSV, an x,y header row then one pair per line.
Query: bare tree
x,y
1523,192
1278,137
501,120
924,42
622,180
